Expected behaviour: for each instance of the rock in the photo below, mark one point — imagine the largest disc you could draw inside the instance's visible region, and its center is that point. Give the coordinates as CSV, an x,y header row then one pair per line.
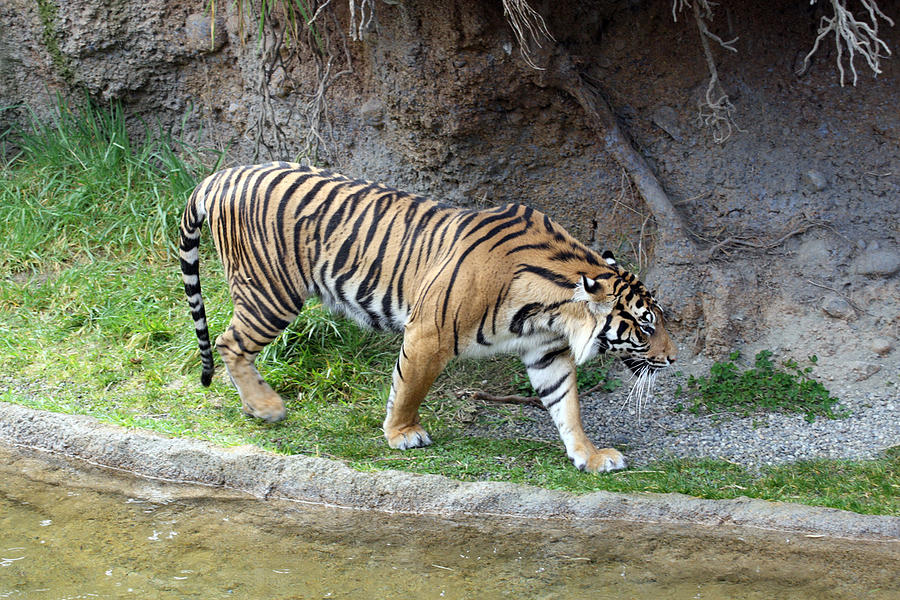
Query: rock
x,y
863,370
837,307
372,113
202,36
815,180
814,251
878,262
881,346
666,119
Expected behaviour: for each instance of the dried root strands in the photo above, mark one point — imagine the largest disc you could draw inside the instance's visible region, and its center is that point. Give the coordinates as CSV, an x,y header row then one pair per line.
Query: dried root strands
x,y
528,26
852,35
361,14
715,110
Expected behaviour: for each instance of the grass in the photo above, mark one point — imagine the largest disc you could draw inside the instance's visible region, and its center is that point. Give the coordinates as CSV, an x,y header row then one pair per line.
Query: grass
x,y
93,321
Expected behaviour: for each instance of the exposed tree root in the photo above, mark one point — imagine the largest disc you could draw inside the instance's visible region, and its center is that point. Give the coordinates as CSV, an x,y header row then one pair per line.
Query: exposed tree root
x,y
739,241
528,26
716,110
513,399
284,35
849,300
361,14
561,73
856,36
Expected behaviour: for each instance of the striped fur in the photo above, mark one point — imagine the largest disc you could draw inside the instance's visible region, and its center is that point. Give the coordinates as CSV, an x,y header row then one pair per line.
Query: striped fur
x,y
454,281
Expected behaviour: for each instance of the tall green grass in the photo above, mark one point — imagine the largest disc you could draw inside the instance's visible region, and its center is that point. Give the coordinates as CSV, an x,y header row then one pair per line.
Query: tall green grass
x,y
89,217
81,188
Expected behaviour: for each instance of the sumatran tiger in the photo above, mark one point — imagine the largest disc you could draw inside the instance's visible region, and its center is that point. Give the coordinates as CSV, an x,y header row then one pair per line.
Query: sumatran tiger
x,y
455,281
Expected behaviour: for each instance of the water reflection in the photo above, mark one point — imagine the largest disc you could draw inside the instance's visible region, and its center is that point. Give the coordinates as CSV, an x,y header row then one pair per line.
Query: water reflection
x,y
159,541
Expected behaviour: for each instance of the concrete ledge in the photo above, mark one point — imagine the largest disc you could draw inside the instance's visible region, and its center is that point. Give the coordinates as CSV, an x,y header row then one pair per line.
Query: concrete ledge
x,y
328,482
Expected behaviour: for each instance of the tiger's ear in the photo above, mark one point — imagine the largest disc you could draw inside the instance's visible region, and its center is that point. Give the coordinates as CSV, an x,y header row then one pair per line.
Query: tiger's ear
x,y
594,292
609,258
591,286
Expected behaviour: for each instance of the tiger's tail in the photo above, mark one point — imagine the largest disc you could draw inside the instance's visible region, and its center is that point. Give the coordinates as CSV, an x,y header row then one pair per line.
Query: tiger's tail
x,y
191,223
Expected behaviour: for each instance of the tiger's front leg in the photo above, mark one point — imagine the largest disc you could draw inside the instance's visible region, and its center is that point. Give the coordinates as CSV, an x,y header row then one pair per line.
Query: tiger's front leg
x,y
420,362
552,374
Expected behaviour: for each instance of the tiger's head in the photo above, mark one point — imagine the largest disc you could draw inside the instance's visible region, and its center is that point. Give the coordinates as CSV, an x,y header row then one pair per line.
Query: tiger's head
x,y
631,323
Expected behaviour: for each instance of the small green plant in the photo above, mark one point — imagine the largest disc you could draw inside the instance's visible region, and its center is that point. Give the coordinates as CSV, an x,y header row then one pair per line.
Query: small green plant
x,y
762,388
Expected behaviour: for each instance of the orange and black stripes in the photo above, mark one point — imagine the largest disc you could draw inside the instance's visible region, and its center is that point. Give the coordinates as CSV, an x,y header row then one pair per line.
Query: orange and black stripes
x,y
286,232
454,280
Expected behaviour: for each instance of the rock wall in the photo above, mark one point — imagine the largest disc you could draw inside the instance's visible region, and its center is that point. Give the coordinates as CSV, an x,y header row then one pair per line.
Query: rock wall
x,y
438,100
435,98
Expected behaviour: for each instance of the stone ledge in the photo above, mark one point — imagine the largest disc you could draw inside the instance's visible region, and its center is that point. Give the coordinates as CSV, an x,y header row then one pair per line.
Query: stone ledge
x,y
320,481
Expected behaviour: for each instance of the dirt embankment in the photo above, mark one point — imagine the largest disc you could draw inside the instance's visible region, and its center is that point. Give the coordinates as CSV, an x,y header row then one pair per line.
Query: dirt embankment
x,y
435,98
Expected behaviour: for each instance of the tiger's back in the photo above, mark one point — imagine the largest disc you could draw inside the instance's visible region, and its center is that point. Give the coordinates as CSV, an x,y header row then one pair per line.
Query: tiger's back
x,y
455,281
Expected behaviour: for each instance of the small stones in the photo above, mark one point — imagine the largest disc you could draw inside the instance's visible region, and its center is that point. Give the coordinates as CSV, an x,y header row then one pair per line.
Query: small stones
x,y
877,261
861,370
815,180
881,346
372,113
837,307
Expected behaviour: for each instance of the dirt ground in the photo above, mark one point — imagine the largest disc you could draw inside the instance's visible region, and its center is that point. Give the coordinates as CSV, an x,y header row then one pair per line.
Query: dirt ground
x,y
437,100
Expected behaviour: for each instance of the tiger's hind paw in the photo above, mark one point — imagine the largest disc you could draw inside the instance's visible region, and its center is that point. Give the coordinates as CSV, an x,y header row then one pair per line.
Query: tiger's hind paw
x,y
270,409
405,438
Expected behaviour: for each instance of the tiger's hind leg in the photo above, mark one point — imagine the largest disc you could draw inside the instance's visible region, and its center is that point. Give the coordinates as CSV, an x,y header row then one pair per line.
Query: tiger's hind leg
x,y
238,347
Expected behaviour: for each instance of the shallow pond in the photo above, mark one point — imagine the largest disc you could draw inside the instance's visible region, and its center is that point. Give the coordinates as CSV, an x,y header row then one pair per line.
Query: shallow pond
x,y
71,531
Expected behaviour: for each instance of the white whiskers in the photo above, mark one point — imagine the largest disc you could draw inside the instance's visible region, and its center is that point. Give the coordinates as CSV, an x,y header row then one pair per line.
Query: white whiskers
x,y
640,389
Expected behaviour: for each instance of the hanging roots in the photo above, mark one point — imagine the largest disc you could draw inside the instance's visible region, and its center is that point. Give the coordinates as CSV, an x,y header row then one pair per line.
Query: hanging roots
x,y
285,33
715,110
361,14
858,37
528,26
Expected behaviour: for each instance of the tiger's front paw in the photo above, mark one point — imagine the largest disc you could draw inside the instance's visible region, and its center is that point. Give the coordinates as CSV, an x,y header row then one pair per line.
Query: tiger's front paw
x,y
600,461
404,438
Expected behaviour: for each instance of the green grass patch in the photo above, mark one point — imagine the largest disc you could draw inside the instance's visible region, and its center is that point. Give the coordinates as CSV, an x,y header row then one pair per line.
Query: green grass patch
x,y
763,387
93,321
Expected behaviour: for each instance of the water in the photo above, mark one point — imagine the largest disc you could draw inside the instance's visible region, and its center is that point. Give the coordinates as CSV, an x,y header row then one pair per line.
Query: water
x,y
66,532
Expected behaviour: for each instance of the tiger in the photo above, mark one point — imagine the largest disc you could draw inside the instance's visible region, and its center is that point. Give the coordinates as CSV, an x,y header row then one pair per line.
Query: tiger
x,y
454,281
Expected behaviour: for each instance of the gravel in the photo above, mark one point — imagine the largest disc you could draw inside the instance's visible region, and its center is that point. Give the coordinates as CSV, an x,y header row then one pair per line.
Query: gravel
x,y
659,432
